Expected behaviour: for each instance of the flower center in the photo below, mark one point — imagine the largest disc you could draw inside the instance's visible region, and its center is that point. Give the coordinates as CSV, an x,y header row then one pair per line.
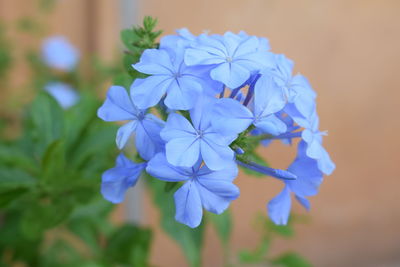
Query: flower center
x,y
229,59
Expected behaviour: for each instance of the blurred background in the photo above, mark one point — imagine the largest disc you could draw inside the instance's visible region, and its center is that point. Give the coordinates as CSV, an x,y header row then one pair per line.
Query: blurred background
x,y
349,50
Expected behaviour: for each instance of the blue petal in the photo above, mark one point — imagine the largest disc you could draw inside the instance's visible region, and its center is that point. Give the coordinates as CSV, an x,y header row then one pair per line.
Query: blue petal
x,y
116,181
188,205
148,140
230,116
325,164
183,93
271,124
203,57
154,61
215,156
309,177
304,202
201,115
124,132
268,99
148,92
279,207
117,106
229,173
231,74
216,194
183,151
247,45
177,126
159,167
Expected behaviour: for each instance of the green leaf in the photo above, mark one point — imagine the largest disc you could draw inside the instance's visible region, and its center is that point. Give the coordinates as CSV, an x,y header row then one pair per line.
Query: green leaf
x,y
291,259
15,178
190,240
223,225
46,214
14,156
45,122
129,245
281,230
54,163
170,185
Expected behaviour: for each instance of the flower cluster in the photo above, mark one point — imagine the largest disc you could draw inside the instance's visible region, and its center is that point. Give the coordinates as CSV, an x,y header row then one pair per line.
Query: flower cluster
x,y
222,95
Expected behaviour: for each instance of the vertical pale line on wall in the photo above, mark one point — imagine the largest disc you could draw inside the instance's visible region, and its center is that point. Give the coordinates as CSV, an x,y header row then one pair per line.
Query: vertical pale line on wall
x,y
134,197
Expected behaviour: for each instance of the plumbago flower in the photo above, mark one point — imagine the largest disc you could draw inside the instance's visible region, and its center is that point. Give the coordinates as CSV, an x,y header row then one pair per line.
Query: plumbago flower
x,y
222,96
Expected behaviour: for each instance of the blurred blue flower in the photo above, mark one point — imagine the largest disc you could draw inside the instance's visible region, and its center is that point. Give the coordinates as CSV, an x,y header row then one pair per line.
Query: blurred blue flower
x,y
116,181
63,93
203,187
118,106
58,53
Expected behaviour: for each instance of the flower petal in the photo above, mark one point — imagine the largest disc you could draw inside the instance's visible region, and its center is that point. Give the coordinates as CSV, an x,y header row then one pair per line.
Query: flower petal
x,y
183,151
148,140
116,181
148,92
124,132
230,117
188,205
160,168
279,207
117,106
231,74
215,156
177,126
154,61
183,93
271,124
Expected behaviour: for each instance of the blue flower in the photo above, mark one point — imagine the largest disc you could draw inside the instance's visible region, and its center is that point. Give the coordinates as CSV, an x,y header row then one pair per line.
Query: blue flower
x,y
203,187
63,93
233,57
186,142
58,53
296,90
230,116
169,75
309,178
116,181
313,138
119,107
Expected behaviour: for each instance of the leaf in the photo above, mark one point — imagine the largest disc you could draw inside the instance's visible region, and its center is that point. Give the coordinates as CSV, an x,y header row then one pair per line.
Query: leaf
x,y
291,259
13,156
223,225
170,185
282,230
258,255
45,122
15,178
54,163
190,240
41,216
130,245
